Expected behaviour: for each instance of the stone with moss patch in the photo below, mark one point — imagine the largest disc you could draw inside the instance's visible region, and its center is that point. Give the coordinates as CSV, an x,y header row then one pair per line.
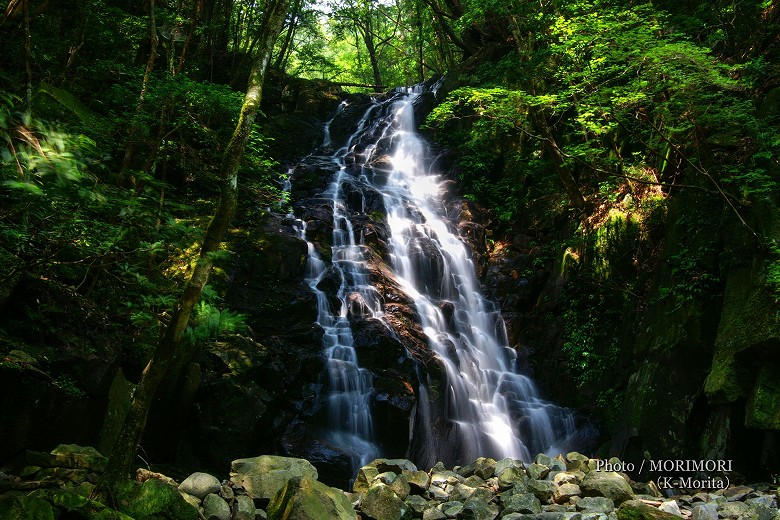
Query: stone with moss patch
x,y
762,410
746,334
25,507
264,476
636,510
303,498
153,500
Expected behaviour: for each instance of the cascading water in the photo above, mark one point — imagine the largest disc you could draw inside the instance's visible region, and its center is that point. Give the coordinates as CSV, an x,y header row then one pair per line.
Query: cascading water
x,y
492,410
484,406
349,386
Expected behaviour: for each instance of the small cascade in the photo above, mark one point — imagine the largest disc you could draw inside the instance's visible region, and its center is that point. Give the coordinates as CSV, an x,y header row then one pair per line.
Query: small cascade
x,y
479,404
286,182
348,385
326,129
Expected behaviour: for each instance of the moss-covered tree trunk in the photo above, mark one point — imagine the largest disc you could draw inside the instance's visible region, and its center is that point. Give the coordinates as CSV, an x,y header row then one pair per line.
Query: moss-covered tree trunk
x,y
126,444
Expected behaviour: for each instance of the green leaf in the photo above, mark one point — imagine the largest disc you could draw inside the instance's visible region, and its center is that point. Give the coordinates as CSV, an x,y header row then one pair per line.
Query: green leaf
x,y
24,186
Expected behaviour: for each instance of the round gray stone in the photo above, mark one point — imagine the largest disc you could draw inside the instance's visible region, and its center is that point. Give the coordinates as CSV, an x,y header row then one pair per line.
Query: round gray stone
x,y
200,484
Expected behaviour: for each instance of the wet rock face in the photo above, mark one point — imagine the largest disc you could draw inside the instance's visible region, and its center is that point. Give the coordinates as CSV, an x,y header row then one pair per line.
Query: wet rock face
x,y
344,124
267,277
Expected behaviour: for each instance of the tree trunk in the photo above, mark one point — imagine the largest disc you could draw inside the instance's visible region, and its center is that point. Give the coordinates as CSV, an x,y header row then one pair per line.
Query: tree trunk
x,y
126,445
441,17
281,60
420,42
556,155
27,57
190,33
132,136
367,32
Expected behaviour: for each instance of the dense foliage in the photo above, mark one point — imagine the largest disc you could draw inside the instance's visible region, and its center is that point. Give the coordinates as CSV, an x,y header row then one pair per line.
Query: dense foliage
x,y
625,113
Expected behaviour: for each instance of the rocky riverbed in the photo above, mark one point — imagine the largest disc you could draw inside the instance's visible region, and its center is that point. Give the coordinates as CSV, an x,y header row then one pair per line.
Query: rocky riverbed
x,y
571,487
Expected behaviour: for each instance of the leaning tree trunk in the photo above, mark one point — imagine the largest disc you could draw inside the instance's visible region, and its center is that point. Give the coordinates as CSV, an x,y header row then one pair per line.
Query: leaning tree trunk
x,y
126,445
556,156
135,127
368,38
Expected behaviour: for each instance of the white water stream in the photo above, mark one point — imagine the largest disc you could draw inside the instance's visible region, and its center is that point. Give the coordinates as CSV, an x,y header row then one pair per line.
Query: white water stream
x,y
489,408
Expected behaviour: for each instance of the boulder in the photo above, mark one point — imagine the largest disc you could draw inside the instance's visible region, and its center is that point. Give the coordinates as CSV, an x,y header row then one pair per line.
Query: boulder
x,y
303,498
400,487
509,473
215,507
733,510
418,480
367,473
477,508
705,511
543,460
396,482
565,491
595,505
25,506
191,500
441,478
262,477
483,467
537,471
636,510
606,484
381,503
244,508
576,461
83,457
543,489
568,477
153,499
525,503
763,507
434,513
451,509
417,504
557,464
461,492
200,484
670,506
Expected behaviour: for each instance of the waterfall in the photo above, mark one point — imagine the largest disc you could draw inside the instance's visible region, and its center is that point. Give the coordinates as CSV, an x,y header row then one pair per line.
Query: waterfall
x,y
349,386
482,405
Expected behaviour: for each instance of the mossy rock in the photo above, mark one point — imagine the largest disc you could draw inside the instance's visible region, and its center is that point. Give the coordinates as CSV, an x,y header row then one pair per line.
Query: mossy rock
x,y
303,498
25,507
748,333
636,510
85,457
71,500
56,503
153,500
262,477
615,244
762,410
